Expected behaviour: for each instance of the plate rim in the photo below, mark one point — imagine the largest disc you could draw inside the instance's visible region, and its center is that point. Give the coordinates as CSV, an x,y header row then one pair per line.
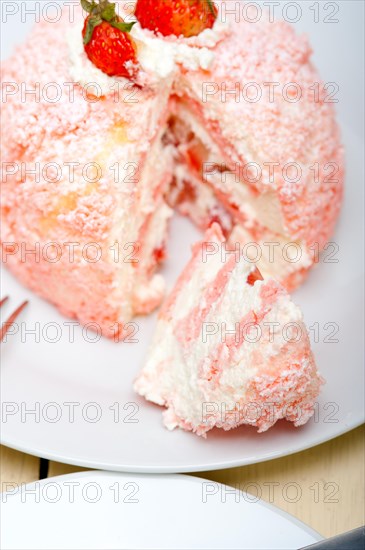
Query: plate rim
x,y
173,470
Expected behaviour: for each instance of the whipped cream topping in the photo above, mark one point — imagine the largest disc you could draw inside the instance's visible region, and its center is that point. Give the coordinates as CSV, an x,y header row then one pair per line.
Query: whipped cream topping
x,y
158,57
83,71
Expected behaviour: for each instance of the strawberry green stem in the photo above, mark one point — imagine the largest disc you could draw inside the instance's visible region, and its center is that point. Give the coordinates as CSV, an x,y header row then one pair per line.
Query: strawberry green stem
x,y
99,12
211,7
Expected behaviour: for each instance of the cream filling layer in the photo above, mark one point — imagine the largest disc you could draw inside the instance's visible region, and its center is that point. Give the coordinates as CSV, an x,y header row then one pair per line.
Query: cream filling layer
x,y
139,199
280,256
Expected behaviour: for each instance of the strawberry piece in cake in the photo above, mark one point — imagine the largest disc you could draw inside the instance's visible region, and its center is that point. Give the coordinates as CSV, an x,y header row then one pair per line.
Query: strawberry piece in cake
x,y
229,348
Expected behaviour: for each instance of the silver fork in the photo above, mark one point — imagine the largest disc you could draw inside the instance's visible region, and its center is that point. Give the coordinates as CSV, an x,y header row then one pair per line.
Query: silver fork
x,y
11,319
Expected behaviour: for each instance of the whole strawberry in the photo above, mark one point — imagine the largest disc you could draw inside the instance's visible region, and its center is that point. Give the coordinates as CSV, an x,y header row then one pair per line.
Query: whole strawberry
x,y
106,39
178,17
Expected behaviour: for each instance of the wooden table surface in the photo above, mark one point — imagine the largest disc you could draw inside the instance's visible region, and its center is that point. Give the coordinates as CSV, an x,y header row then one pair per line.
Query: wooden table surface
x,y
323,486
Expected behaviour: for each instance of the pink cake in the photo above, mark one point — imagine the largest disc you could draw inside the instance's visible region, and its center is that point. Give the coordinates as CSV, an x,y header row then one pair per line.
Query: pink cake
x,y
108,188
173,146
229,348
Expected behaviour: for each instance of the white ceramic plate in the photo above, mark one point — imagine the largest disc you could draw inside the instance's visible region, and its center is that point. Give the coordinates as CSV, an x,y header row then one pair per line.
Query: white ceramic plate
x,y
86,412
111,510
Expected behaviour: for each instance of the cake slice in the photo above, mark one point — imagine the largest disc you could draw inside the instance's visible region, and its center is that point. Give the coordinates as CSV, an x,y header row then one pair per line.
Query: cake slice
x,y
229,348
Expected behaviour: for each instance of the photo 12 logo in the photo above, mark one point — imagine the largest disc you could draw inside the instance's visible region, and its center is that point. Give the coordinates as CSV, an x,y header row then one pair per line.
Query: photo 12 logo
x,y
71,92
291,252
270,92
69,412
90,492
291,492
32,11
252,412
237,11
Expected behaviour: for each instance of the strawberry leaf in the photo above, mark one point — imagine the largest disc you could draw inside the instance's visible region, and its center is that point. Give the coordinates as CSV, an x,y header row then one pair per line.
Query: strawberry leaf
x,y
87,6
108,13
91,24
124,27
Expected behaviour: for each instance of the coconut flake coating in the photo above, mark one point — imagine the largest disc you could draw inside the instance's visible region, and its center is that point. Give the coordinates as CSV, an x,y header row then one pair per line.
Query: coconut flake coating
x,y
92,189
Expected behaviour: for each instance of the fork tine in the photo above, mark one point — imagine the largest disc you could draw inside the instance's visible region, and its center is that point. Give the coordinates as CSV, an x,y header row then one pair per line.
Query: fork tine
x,y
8,323
3,300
